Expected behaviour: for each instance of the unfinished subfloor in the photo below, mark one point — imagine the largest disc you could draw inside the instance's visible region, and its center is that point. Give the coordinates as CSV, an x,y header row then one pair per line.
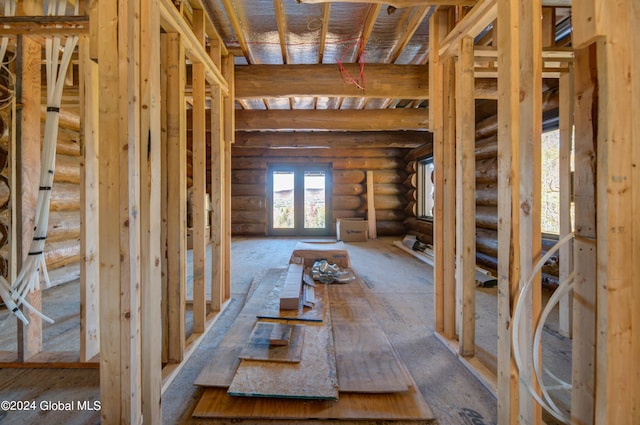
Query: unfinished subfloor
x,y
400,290
398,286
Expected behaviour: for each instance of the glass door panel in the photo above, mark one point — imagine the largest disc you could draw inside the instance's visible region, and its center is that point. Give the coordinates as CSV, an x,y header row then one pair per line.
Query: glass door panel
x,y
299,200
315,211
283,196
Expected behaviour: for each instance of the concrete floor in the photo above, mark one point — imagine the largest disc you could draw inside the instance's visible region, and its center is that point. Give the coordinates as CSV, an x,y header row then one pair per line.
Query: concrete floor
x,y
398,286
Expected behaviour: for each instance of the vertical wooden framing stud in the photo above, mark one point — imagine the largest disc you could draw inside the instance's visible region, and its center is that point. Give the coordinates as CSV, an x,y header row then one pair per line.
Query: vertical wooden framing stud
x,y
217,198
28,175
176,196
437,31
150,207
466,199
565,313
371,209
618,233
530,168
229,136
508,218
119,205
584,300
199,149
89,211
448,198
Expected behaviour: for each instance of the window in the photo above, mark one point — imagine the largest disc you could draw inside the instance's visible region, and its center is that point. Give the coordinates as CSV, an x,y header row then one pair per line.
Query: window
x,y
425,188
550,213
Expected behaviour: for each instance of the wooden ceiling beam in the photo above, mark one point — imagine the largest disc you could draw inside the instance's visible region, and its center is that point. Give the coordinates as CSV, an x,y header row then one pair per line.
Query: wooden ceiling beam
x,y
260,81
329,139
383,81
399,3
333,119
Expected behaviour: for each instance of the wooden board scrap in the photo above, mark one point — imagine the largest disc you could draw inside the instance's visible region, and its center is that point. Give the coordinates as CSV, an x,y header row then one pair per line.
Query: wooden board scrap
x,y
314,377
225,358
366,361
260,347
403,406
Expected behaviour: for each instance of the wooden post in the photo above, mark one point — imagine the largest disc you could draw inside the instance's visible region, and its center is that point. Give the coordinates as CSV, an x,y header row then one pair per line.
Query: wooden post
x,y
217,197
229,136
119,209
150,216
584,299
176,195
89,210
519,236
565,312
530,139
449,198
466,199
371,209
199,149
28,174
437,31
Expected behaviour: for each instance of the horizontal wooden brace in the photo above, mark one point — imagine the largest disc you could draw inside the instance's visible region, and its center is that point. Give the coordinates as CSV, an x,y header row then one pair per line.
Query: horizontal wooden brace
x,y
172,21
44,25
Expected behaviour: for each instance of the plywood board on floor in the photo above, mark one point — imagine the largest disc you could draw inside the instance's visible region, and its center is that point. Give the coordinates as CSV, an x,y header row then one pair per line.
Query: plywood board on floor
x,y
226,357
260,346
403,406
314,377
365,358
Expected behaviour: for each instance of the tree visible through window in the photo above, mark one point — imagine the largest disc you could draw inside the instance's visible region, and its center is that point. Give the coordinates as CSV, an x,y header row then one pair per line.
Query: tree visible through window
x,y
425,188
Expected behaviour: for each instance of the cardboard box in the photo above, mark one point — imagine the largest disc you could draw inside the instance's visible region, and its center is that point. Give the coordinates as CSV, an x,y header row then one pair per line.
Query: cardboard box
x,y
352,230
308,252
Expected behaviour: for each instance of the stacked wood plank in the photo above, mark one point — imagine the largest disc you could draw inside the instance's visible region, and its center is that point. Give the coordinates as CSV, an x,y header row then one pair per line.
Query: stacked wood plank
x,y
292,288
346,365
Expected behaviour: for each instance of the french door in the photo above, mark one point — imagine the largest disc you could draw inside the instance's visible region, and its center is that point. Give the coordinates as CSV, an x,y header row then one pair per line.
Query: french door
x,y
299,200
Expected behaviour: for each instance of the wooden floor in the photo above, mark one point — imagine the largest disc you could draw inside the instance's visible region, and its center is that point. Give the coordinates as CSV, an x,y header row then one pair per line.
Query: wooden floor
x,y
399,289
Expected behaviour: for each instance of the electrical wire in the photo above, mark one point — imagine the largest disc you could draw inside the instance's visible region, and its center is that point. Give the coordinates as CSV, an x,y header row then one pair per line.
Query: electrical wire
x,y
565,286
34,265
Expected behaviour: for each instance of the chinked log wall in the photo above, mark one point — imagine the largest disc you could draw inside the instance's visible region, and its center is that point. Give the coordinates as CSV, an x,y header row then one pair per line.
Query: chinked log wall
x,y
349,167
486,196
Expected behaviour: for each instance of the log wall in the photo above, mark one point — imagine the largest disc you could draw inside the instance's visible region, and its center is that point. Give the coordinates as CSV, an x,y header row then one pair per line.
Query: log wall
x,y
249,200
62,250
486,196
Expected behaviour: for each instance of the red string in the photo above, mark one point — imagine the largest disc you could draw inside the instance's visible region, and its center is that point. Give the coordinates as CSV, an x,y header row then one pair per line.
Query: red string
x,y
346,75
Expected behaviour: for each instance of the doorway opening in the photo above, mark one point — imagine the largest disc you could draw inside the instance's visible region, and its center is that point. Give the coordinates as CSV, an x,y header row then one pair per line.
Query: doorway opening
x,y
299,200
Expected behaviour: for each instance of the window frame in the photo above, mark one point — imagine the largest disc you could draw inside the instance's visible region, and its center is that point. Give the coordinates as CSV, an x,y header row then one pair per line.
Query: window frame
x,y
422,187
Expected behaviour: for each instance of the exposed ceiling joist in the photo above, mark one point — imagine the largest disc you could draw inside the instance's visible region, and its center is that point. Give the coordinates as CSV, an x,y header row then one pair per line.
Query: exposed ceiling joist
x,y
410,29
326,139
237,28
333,119
281,19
